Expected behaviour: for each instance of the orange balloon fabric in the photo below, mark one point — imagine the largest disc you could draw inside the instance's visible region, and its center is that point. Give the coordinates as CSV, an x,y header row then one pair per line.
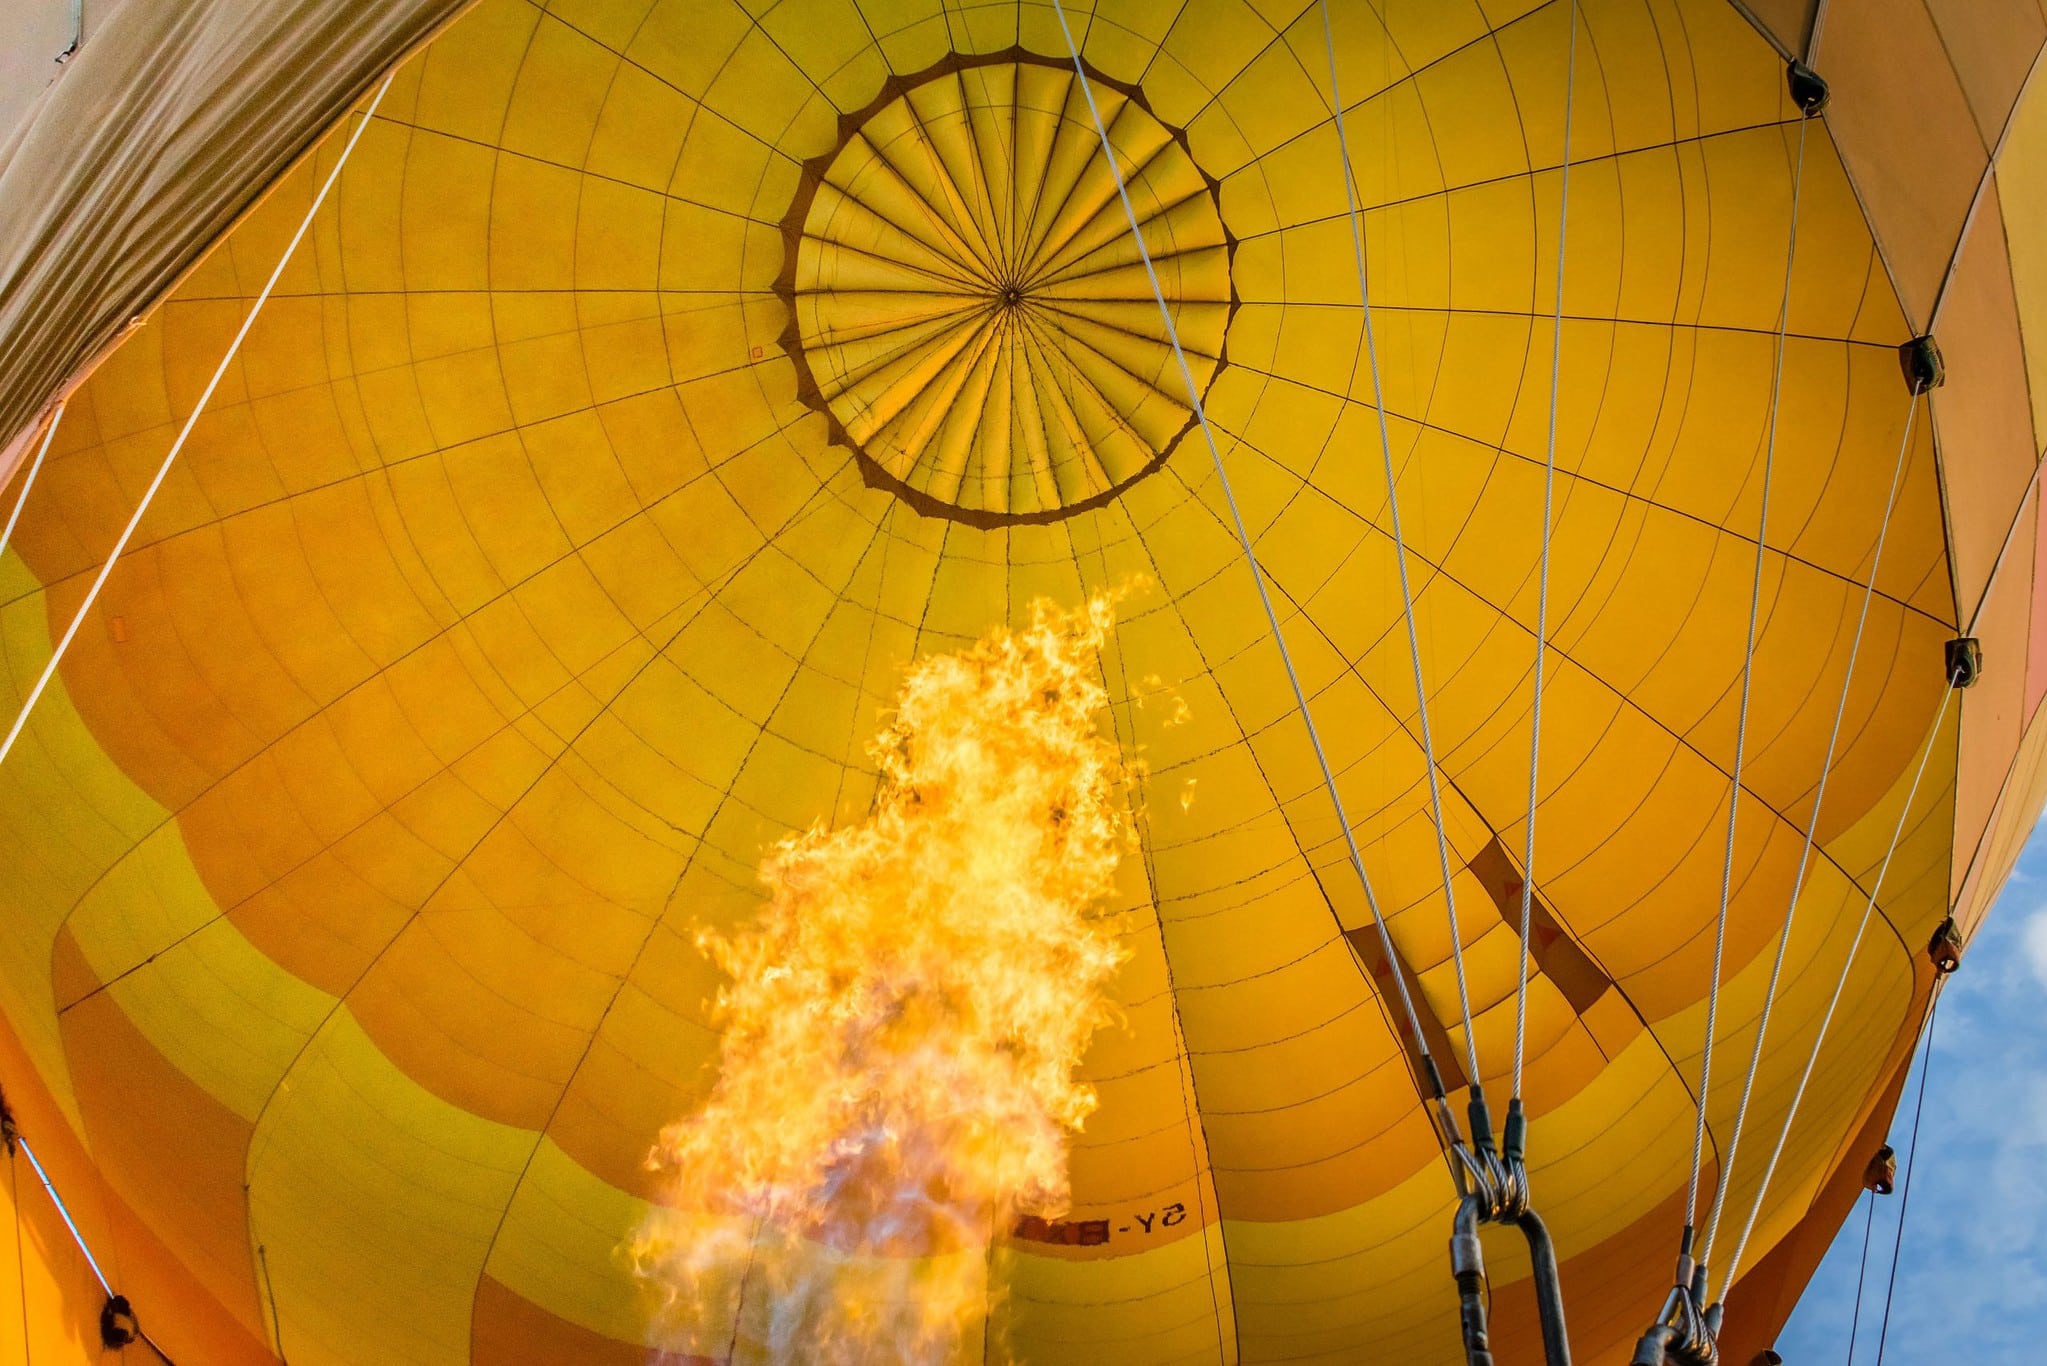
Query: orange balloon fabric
x,y
664,376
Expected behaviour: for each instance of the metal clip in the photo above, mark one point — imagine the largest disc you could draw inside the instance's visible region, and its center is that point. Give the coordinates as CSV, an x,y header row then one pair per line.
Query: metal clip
x,y
1921,360
1684,1334
1808,89
1964,661
118,1325
1945,948
1493,1186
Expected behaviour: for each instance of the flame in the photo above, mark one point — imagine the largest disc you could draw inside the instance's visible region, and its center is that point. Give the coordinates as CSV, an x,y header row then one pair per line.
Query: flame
x,y
903,1026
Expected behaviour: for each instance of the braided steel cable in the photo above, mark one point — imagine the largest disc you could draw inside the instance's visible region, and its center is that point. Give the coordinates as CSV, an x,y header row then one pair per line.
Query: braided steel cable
x,y
1445,1123
1911,1157
1549,480
1414,646
1726,1179
1840,983
1755,607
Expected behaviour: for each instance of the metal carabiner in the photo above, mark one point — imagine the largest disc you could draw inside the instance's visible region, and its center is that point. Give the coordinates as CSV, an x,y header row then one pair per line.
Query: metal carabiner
x,y
1685,1333
1493,1189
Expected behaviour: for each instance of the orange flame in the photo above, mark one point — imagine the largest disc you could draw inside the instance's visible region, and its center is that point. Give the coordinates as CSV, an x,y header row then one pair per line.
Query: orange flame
x,y
903,1026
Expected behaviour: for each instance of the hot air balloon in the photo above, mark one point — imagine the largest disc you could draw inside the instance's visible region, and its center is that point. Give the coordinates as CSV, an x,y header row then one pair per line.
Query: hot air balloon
x,y
1568,468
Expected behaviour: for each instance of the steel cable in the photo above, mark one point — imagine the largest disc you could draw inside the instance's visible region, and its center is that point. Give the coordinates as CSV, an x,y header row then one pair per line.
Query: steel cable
x,y
1912,1156
1741,722
1446,1131
1725,1182
1414,647
1840,983
35,467
1549,480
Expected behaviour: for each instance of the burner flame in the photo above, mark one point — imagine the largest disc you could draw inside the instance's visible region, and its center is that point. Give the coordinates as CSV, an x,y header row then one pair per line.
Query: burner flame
x,y
903,1027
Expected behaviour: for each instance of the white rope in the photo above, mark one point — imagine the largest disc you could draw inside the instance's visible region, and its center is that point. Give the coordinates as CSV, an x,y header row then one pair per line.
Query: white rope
x,y
1549,481
1414,647
163,470
1726,1180
1840,984
35,466
1748,660
64,1212
1357,861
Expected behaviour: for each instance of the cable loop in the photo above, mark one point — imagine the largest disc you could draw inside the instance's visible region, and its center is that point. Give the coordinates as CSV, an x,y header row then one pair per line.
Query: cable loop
x,y
1685,1333
1499,1185
1508,1205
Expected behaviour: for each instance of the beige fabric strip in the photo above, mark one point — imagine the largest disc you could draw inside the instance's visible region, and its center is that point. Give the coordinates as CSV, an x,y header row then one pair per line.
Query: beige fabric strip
x,y
170,122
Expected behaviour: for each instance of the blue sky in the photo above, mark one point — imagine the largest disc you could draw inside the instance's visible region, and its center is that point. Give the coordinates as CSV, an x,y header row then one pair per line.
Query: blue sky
x,y
1972,1279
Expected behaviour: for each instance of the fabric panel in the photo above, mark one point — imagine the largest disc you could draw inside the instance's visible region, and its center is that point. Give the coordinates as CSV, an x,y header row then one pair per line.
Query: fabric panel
x,y
163,130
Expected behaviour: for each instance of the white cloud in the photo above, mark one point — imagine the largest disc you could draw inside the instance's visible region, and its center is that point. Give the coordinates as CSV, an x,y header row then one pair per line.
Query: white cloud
x,y
2033,941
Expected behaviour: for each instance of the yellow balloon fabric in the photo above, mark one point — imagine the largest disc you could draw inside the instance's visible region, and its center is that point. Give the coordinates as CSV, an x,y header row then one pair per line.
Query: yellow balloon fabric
x,y
665,375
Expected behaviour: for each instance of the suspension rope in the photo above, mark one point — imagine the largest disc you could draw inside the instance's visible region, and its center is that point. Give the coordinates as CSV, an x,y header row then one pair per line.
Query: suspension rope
x,y
1725,1184
163,471
1414,647
1905,1182
1861,1271
34,468
20,1256
270,1293
20,1144
64,1213
1748,660
1840,984
1549,482
1446,1132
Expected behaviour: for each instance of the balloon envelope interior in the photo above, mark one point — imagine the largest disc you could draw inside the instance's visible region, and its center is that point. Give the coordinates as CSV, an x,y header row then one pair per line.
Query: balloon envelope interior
x,y
662,379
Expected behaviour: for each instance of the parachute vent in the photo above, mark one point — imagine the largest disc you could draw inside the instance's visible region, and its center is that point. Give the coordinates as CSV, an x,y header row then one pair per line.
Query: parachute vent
x,y
933,384
1964,661
1945,948
1808,90
1881,1175
1924,369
